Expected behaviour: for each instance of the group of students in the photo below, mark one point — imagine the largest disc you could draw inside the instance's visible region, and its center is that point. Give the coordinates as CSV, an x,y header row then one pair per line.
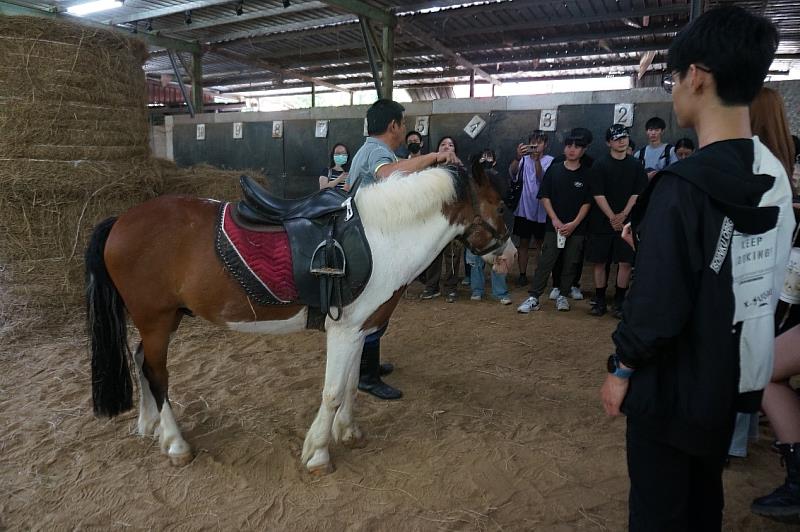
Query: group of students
x,y
695,344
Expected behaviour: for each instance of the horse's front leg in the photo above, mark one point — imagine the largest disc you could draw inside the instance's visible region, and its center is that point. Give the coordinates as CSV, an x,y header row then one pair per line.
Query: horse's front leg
x,y
345,430
344,348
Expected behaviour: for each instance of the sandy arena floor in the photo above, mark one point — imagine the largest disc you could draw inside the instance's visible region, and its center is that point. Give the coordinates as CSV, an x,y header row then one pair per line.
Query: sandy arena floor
x,y
500,428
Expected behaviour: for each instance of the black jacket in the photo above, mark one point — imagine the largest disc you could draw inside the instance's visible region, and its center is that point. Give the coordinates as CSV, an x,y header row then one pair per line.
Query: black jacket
x,y
689,325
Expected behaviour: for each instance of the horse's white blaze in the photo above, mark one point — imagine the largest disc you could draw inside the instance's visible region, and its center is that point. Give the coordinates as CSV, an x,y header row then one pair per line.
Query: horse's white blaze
x,y
296,323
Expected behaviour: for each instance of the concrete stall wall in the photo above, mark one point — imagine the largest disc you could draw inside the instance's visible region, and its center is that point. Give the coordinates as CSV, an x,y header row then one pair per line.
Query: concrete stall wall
x,y
294,162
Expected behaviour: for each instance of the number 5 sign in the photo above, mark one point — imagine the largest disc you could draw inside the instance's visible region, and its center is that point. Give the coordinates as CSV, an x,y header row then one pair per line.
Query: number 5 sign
x,y
623,114
547,120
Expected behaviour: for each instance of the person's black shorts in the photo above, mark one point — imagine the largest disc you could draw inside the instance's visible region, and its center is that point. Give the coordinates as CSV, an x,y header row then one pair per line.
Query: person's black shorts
x,y
526,229
602,247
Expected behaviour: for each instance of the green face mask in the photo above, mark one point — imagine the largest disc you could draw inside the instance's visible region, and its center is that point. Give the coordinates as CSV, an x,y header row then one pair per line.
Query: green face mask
x,y
340,159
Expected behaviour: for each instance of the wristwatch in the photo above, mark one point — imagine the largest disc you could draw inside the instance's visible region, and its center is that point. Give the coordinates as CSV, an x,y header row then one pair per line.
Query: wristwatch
x,y
616,370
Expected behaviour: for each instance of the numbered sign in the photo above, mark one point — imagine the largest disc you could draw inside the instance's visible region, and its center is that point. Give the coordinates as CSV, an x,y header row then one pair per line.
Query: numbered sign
x,y
475,126
200,132
237,130
321,131
623,114
547,119
277,129
366,132
421,125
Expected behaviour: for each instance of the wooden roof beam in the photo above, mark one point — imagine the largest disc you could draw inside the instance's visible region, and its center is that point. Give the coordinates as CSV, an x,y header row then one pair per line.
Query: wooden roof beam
x,y
152,40
365,10
258,63
424,38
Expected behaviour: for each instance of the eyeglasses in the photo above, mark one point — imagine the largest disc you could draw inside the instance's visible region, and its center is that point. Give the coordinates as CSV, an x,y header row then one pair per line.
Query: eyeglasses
x,y
668,81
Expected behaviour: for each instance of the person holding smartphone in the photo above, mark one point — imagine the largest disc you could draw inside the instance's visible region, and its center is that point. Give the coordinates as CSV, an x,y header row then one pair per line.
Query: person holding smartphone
x,y
529,166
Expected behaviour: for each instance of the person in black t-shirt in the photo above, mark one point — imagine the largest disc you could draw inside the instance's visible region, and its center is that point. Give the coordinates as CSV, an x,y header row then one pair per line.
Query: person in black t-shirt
x,y
617,180
566,199
575,286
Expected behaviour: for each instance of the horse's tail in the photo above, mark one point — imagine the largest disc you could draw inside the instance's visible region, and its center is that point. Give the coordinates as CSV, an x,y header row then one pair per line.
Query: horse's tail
x,y
112,389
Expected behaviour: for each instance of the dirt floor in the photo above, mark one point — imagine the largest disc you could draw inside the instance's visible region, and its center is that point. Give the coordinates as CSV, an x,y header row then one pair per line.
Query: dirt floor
x,y
500,428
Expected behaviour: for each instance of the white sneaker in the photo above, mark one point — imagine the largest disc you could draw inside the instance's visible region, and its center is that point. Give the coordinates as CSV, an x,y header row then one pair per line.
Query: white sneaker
x,y
476,297
528,305
554,293
505,300
562,304
575,293
465,281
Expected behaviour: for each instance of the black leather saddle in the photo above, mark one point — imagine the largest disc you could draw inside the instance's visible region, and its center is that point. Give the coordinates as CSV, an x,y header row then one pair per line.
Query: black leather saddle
x,y
331,258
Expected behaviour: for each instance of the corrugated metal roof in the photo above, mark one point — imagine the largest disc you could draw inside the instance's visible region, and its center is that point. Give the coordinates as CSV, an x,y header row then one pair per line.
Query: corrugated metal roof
x,y
266,44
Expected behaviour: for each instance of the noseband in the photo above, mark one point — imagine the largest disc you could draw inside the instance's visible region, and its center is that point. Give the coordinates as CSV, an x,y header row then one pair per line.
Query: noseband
x,y
498,240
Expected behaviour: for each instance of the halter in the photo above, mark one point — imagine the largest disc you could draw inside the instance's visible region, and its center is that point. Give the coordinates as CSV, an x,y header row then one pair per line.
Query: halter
x,y
498,240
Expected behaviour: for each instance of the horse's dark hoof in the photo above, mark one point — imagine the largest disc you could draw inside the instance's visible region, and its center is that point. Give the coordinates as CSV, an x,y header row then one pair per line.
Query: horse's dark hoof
x,y
180,460
322,470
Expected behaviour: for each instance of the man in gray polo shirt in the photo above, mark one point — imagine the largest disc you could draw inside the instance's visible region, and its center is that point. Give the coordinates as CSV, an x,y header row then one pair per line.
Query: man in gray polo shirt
x,y
376,160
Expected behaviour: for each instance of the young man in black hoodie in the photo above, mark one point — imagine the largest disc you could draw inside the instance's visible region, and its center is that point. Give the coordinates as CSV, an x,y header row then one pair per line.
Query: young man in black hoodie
x,y
712,234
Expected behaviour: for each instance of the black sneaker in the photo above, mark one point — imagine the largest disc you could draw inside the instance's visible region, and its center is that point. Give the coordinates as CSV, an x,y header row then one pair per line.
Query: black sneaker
x,y
522,280
597,310
429,294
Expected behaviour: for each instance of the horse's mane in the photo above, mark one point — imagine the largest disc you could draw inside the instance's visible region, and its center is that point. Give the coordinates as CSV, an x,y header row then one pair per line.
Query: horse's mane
x,y
402,198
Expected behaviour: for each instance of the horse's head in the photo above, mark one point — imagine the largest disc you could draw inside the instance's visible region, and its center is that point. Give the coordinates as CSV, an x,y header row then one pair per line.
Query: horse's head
x,y
480,208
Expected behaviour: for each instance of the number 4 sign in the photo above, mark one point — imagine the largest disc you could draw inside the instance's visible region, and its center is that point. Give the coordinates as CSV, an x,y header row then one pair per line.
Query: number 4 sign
x,y
547,120
623,114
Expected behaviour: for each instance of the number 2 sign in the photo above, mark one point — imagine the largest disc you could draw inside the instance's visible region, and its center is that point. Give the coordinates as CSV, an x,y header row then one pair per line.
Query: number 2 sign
x,y
623,114
547,119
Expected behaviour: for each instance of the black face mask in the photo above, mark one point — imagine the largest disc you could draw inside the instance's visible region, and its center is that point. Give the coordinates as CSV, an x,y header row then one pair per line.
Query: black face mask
x,y
488,165
414,147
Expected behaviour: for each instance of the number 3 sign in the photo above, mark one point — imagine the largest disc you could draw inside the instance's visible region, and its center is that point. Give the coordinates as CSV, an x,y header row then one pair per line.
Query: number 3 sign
x,y
547,120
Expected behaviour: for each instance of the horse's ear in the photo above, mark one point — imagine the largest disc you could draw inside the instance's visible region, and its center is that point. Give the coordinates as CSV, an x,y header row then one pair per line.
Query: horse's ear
x,y
478,173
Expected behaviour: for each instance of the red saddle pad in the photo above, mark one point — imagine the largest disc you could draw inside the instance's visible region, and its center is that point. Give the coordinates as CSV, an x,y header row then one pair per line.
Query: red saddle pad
x,y
267,256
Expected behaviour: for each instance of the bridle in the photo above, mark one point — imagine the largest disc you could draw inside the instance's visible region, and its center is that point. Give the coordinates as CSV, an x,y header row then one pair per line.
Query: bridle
x,y
498,239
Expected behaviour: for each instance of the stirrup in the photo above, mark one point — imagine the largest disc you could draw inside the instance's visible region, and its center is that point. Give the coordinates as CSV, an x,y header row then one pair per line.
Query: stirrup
x,y
330,271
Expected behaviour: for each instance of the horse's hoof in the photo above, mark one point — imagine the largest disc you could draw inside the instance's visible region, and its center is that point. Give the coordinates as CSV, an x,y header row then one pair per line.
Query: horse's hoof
x,y
180,460
322,469
356,442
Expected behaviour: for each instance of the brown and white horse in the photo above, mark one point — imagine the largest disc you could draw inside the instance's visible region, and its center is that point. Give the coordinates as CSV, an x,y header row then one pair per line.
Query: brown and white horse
x,y
157,262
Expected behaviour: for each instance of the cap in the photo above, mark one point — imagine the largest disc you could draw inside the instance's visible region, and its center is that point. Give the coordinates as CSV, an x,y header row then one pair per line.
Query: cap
x,y
617,131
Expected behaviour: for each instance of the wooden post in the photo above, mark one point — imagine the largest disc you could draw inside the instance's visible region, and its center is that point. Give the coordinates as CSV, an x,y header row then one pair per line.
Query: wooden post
x,y
472,84
197,81
388,60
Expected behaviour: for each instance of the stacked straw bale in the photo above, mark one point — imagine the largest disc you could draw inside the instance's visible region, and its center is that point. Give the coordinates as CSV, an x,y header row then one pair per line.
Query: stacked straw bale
x,y
73,150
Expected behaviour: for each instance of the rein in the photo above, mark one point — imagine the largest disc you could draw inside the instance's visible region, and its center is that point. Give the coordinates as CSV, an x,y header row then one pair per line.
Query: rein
x,y
498,239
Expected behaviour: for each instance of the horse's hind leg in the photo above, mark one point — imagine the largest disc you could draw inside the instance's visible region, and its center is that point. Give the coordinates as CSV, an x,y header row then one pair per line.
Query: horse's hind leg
x,y
344,346
155,343
149,417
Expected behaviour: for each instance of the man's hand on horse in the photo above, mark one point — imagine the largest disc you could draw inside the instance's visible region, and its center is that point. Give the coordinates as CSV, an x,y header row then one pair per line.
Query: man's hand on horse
x,y
448,157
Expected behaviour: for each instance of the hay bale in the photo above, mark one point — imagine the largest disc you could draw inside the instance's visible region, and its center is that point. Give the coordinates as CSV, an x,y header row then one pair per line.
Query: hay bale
x,y
73,150
70,92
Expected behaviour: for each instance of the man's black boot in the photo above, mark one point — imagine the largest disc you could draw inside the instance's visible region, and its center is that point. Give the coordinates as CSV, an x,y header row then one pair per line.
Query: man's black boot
x,y
370,374
783,504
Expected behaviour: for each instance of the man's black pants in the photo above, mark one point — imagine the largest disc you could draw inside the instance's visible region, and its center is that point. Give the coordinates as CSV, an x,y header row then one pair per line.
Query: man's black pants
x,y
672,490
